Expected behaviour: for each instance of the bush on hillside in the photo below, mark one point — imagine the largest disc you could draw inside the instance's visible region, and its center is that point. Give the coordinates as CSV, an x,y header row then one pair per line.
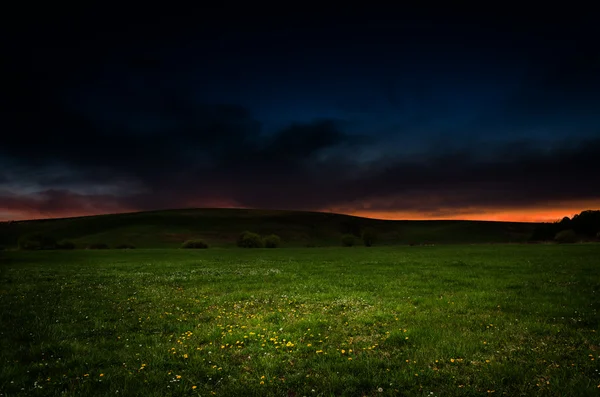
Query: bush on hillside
x,y
272,241
65,245
196,243
566,237
598,235
126,246
351,226
348,240
97,246
250,240
36,241
369,236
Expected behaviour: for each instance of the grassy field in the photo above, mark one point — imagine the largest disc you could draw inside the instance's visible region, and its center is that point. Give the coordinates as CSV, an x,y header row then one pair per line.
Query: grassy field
x,y
417,321
221,227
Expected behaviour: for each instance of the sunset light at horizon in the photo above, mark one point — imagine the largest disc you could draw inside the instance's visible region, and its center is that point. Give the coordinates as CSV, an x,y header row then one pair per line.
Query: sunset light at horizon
x,y
391,116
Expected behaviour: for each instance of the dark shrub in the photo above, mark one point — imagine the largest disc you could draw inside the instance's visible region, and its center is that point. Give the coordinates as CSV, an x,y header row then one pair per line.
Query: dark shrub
x,y
196,243
566,237
350,226
125,246
97,246
65,245
272,241
348,240
250,240
369,236
36,241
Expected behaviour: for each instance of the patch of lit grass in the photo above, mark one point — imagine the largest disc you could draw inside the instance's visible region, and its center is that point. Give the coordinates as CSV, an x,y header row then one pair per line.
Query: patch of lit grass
x,y
452,320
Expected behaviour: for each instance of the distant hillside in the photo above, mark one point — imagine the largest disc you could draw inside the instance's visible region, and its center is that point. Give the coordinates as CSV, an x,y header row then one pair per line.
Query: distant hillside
x,y
220,227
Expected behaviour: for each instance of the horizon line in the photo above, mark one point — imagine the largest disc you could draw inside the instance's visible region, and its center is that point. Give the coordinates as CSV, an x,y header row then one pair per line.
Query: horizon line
x,y
373,215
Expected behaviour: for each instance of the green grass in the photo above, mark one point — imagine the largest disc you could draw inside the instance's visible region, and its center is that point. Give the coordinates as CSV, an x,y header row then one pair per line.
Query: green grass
x,y
445,320
221,228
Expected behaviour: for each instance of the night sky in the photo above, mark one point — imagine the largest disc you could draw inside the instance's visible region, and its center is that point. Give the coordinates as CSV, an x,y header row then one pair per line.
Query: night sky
x,y
396,115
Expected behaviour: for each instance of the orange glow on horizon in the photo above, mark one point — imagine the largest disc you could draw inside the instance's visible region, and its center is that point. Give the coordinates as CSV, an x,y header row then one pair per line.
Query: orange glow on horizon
x,y
550,212
547,213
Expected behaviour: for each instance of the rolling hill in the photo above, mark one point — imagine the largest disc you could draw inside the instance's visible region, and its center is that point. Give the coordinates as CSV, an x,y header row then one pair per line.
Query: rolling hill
x,y
221,227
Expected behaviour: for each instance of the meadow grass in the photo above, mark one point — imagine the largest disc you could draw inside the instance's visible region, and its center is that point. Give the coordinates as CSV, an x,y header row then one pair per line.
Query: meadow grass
x,y
441,320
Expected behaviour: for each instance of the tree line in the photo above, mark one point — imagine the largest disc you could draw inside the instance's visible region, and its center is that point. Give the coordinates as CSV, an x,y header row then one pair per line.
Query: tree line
x,y
583,226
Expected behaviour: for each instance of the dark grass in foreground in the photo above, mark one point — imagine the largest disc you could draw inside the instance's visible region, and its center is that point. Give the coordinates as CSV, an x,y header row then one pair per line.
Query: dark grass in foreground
x,y
451,320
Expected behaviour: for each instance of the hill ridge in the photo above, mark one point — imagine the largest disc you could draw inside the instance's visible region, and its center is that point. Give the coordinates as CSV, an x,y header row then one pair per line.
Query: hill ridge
x,y
221,226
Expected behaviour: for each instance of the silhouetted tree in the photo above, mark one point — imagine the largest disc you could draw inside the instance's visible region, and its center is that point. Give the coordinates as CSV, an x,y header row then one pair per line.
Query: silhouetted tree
x,y
97,246
65,245
348,240
350,226
369,236
250,240
196,243
125,246
586,223
36,241
272,241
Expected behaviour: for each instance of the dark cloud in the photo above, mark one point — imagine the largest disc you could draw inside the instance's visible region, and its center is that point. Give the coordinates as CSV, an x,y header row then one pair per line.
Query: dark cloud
x,y
102,113
526,177
203,153
54,203
200,153
285,171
